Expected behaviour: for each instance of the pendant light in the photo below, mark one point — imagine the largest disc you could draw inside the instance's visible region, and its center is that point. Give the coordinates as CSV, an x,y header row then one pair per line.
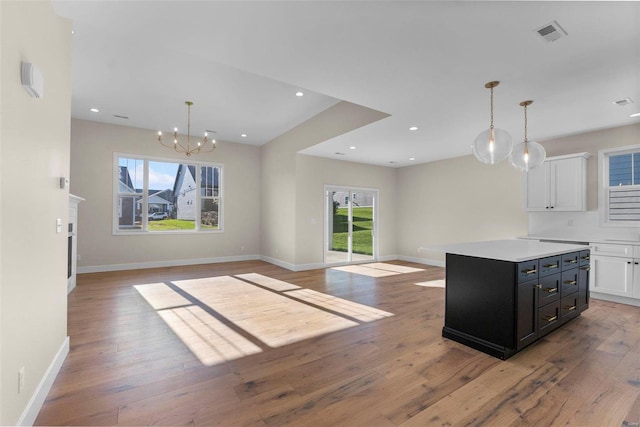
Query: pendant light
x,y
492,145
528,154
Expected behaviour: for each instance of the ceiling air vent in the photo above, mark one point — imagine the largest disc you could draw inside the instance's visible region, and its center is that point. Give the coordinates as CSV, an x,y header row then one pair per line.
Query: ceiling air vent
x,y
623,102
551,32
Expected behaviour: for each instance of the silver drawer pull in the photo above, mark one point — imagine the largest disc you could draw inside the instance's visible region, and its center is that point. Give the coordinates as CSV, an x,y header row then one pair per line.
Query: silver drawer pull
x,y
550,266
551,318
585,268
571,261
532,271
570,282
571,308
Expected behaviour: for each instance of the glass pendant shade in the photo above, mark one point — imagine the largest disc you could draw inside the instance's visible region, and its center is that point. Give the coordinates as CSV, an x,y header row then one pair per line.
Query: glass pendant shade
x,y
492,146
528,155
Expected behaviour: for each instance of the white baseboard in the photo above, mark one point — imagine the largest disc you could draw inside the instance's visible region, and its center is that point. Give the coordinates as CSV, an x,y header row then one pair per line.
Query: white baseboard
x,y
615,298
32,410
171,263
427,261
270,260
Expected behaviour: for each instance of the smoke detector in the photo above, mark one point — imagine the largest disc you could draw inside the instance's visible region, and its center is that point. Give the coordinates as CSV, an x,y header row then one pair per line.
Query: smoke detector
x,y
551,32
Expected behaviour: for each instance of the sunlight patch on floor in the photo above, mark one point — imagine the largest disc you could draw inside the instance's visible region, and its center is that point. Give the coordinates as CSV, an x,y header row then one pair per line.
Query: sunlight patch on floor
x,y
225,318
392,267
210,340
365,271
272,318
267,282
160,296
377,269
432,283
361,312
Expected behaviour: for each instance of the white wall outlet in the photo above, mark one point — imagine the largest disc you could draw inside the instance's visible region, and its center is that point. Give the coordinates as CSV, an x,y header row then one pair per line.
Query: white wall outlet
x,y
58,225
21,380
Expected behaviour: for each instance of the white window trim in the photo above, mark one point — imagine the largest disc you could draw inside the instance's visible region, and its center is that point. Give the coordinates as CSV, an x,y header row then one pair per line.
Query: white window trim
x,y
116,231
603,185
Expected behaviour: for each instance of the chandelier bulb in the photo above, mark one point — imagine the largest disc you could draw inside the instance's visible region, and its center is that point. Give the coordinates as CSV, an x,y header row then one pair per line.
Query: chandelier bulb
x,y
159,133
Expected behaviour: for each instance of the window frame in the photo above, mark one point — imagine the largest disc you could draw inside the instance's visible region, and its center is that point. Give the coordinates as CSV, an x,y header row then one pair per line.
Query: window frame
x,y
603,184
144,221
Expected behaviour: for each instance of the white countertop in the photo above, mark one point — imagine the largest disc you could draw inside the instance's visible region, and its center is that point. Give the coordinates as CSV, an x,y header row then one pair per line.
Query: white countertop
x,y
591,239
516,250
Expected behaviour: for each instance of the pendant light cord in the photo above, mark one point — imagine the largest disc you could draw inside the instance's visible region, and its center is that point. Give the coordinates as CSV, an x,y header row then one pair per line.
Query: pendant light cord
x,y
491,127
525,123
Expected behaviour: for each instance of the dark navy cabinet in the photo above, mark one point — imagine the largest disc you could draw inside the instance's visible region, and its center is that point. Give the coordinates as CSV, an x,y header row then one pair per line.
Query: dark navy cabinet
x,y
500,307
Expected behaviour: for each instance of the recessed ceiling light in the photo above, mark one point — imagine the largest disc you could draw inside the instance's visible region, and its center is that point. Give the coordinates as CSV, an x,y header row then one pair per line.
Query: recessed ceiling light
x,y
299,93
73,32
352,148
244,135
635,115
413,128
412,158
94,110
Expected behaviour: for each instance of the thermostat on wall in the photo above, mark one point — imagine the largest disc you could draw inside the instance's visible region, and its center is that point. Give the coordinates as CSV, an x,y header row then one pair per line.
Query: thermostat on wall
x,y
32,80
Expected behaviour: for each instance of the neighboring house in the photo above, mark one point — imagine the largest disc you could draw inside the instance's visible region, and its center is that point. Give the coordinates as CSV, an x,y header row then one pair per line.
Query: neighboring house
x,y
161,201
127,205
184,190
360,199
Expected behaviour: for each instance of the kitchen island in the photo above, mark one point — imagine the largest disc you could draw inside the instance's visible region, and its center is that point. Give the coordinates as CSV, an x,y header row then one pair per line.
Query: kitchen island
x,y
503,295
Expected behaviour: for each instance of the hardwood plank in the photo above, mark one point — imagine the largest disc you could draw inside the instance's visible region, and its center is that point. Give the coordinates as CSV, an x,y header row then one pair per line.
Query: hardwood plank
x,y
127,366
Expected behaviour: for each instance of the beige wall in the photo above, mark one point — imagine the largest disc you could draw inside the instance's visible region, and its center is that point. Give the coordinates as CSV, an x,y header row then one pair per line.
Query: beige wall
x,y
313,173
279,208
34,146
591,142
457,200
92,148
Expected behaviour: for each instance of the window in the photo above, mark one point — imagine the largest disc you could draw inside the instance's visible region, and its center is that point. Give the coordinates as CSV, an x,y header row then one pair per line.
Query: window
x,y
620,186
155,195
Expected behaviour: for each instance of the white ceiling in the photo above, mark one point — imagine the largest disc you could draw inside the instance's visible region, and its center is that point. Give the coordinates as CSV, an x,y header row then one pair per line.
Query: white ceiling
x,y
424,63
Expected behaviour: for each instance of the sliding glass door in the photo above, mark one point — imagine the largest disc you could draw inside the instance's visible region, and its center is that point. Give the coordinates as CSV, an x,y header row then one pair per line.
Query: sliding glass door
x,y
350,225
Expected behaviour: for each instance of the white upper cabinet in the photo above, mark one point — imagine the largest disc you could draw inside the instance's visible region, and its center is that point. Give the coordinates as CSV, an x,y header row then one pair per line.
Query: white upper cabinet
x,y
559,184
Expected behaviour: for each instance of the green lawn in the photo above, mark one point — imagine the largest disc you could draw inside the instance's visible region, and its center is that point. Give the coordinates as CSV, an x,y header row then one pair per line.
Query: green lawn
x,y
171,224
362,225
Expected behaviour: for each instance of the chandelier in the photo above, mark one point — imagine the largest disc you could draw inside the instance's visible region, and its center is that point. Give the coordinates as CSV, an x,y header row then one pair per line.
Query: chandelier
x,y
204,146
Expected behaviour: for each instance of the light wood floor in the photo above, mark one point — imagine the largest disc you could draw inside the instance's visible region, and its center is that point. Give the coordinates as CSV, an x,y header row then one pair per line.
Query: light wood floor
x,y
137,358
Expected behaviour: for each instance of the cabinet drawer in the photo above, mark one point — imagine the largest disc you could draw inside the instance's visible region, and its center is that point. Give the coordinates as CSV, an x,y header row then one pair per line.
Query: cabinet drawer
x,y
527,270
585,258
612,249
550,265
548,318
569,282
549,289
569,308
570,261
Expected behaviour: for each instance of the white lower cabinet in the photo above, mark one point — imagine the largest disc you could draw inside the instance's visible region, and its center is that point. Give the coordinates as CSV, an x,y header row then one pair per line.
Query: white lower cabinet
x,y
615,270
613,275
